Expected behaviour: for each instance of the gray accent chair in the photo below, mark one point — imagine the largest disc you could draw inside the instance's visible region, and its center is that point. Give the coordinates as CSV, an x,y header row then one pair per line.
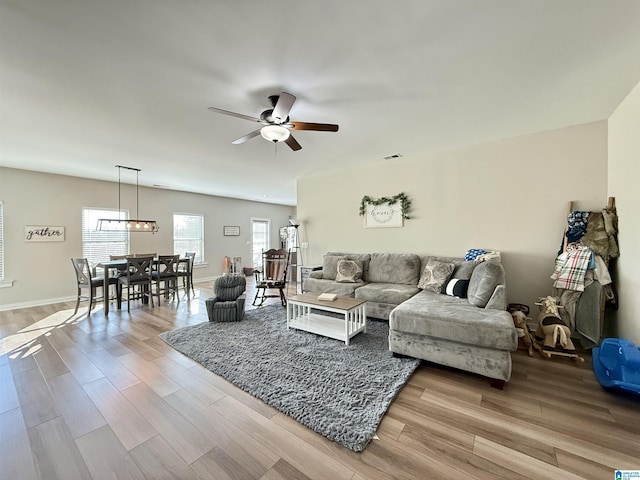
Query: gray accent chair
x,y
228,300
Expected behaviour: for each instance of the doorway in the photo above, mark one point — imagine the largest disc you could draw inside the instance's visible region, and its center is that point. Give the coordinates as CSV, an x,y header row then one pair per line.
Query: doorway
x,y
260,233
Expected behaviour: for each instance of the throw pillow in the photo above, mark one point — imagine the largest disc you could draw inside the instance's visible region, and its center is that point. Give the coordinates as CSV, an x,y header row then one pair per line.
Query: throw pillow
x,y
464,270
349,271
330,266
484,280
435,275
456,287
474,253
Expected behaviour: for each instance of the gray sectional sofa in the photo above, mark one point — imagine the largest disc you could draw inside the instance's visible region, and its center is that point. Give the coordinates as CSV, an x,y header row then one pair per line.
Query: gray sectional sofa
x,y
474,333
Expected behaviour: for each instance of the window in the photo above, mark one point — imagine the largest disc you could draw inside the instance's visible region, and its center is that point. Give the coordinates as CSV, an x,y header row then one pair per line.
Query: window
x,y
98,245
1,246
188,235
259,239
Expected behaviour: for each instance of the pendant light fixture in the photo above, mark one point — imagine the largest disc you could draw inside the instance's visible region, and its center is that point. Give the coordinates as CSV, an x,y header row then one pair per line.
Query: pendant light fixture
x,y
124,224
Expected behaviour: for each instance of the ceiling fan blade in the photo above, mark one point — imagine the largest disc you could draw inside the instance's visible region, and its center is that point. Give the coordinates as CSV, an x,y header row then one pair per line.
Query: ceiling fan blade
x,y
293,143
234,114
282,108
322,127
248,136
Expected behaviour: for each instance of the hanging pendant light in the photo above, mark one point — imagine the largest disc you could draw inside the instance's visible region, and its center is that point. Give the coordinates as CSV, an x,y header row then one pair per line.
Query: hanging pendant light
x,y
124,224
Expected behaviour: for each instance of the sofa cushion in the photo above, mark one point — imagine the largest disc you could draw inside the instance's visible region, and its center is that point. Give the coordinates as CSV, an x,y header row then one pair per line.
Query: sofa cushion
x,y
349,271
451,318
401,268
330,266
322,285
435,275
391,293
484,280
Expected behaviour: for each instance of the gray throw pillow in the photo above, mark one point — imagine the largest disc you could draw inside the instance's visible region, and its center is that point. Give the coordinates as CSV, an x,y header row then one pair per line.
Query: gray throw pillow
x,y
330,266
435,275
465,269
484,280
349,271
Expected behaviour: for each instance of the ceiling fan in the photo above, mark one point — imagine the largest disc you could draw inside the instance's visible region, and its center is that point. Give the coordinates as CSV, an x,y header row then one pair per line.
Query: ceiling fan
x,y
276,125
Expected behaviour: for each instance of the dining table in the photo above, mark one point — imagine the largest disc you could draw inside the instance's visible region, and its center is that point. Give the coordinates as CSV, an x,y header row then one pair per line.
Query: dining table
x,y
119,265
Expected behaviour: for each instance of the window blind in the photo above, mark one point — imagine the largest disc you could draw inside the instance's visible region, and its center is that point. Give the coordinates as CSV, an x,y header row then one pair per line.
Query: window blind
x,y
188,235
98,245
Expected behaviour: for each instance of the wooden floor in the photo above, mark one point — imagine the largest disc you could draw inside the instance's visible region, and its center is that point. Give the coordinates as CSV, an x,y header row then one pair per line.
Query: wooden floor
x,y
95,398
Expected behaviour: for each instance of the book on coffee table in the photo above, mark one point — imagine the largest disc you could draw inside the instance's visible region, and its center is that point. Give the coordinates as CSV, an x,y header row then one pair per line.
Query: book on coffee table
x,y
329,297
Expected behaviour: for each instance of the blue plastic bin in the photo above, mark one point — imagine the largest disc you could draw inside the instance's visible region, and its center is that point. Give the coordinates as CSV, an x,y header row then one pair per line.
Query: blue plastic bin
x,y
616,364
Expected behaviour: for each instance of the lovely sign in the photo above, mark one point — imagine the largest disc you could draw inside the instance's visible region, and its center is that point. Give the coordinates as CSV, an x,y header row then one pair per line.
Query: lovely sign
x,y
43,233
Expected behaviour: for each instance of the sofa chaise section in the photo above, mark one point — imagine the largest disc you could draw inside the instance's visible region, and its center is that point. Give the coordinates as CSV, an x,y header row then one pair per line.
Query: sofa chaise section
x,y
475,334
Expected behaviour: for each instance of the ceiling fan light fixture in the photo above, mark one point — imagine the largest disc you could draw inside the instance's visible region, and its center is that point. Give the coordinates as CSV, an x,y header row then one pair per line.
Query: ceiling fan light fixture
x,y
275,133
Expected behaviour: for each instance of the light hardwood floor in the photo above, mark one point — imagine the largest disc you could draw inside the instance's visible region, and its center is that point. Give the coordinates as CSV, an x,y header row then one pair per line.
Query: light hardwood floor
x,y
89,397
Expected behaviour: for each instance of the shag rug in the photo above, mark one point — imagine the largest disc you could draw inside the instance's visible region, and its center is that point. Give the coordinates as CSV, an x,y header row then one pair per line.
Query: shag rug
x,y
339,391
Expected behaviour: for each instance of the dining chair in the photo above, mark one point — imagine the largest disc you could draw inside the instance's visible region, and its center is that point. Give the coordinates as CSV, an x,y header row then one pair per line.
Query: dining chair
x,y
166,271
185,271
152,255
85,279
137,274
116,272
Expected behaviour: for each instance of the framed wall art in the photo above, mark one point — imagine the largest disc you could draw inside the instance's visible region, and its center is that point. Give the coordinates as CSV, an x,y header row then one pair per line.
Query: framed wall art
x,y
385,212
231,231
43,233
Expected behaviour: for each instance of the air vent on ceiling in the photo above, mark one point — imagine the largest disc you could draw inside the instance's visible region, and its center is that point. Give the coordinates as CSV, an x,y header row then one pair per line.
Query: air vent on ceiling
x,y
395,155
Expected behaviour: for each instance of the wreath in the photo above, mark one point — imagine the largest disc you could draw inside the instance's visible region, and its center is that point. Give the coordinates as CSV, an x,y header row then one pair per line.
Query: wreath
x,y
405,203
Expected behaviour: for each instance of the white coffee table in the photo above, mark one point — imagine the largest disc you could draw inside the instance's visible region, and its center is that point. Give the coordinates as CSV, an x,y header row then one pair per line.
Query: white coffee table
x,y
299,316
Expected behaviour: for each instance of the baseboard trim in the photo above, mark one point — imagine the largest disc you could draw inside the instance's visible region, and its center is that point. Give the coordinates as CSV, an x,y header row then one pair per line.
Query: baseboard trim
x,y
36,303
49,301
205,279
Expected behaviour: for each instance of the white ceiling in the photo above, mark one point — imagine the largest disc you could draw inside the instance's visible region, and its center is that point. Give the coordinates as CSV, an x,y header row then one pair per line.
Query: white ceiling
x,y
86,85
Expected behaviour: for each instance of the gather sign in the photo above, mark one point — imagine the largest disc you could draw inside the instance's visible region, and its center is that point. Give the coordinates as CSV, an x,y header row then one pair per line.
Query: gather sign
x,y
43,233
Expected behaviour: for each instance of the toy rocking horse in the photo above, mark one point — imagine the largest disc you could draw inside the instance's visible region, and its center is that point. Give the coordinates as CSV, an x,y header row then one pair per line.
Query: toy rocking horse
x,y
553,332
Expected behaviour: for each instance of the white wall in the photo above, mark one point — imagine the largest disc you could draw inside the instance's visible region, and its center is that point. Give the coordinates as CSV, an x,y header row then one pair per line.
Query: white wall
x,y
624,174
510,195
42,272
